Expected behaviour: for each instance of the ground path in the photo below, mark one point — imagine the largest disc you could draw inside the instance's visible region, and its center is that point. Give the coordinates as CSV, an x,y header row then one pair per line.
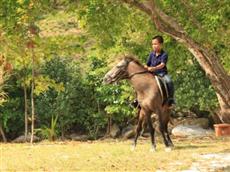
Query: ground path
x,y
206,154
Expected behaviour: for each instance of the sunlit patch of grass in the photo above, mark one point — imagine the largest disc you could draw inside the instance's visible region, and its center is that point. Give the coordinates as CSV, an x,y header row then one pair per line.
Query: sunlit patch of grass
x,y
107,155
60,23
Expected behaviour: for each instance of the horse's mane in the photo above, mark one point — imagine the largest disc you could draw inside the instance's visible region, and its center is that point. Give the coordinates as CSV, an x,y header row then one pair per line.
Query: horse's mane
x,y
133,58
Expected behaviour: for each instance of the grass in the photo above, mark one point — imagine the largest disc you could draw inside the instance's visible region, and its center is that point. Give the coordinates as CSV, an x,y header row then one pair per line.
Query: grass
x,y
106,155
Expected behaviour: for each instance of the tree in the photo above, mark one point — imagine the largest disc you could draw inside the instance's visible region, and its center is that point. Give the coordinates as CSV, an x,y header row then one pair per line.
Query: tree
x,y
5,67
196,24
17,22
205,56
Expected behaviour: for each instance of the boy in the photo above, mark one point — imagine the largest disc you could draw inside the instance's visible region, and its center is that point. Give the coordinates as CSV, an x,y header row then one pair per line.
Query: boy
x,y
156,64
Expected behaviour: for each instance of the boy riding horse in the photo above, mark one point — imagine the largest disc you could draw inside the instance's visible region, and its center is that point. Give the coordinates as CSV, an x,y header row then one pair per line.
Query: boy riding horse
x,y
156,64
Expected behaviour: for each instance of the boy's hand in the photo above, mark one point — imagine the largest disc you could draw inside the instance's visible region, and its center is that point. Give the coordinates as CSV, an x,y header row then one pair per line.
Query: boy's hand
x,y
151,69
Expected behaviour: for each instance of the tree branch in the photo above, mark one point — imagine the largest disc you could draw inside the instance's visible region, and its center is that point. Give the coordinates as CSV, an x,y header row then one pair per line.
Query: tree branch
x,y
170,21
163,22
139,5
191,16
207,60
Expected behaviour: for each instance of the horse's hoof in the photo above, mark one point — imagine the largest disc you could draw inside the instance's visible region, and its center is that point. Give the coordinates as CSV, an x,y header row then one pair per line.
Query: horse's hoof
x,y
168,149
153,149
132,148
172,146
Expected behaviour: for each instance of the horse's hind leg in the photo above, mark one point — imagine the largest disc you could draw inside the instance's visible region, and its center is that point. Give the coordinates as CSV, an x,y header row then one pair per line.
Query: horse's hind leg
x,y
168,136
165,122
139,127
152,132
163,129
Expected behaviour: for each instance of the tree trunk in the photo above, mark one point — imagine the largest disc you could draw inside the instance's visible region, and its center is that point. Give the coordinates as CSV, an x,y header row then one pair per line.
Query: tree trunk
x,y
2,133
109,125
25,111
208,60
62,133
32,100
25,102
224,113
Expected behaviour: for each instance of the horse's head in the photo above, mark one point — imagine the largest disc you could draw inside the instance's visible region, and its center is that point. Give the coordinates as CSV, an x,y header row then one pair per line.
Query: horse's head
x,y
118,72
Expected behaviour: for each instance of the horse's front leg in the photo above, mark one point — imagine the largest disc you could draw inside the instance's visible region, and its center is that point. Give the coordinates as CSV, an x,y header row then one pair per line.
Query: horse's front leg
x,y
168,137
163,128
139,127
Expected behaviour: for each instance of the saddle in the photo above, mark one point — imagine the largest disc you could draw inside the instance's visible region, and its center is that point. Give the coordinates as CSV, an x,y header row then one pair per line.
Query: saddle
x,y
164,89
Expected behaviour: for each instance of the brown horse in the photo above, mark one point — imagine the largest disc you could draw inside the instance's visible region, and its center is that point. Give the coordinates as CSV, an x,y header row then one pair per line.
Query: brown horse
x,y
148,96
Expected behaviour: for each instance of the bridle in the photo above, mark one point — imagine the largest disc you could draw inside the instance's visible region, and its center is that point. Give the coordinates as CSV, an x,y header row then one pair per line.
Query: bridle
x,y
135,73
132,74
122,72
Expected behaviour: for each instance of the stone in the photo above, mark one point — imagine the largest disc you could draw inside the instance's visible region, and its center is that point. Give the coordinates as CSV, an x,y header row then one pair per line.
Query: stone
x,y
199,122
77,137
129,134
128,128
22,139
191,131
115,131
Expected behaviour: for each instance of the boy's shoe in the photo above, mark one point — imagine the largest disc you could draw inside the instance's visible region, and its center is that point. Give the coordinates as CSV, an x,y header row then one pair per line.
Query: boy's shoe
x,y
135,103
171,103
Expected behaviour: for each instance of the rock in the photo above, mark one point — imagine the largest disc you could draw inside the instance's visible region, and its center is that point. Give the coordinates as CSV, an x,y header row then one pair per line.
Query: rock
x,y
22,139
115,131
211,162
199,122
128,132
128,128
191,131
182,114
77,137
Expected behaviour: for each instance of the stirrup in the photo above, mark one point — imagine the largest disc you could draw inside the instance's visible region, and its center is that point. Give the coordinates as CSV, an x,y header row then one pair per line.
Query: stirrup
x,y
171,102
135,103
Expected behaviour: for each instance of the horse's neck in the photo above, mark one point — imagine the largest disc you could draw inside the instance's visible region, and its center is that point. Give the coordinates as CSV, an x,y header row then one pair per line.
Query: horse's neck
x,y
134,68
142,81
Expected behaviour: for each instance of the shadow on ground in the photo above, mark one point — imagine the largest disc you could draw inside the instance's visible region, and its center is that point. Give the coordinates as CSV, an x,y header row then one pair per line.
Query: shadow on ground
x,y
190,147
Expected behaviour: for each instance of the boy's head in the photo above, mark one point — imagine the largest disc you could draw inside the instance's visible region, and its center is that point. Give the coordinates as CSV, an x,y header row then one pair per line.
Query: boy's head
x,y
157,42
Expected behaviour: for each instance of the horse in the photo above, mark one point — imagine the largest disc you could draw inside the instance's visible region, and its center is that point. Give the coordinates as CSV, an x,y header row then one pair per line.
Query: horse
x,y
148,96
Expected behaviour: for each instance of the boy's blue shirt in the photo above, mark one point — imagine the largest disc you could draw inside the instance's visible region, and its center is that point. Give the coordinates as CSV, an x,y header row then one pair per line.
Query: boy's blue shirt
x,y
154,60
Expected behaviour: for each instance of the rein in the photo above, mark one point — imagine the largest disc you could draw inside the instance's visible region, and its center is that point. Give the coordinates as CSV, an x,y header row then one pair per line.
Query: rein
x,y
136,73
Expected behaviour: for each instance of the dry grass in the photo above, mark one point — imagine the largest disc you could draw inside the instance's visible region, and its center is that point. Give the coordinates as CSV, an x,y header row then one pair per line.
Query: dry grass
x,y
107,155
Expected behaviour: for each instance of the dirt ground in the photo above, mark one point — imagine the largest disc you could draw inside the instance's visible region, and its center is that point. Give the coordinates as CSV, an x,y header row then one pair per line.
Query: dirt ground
x,y
189,155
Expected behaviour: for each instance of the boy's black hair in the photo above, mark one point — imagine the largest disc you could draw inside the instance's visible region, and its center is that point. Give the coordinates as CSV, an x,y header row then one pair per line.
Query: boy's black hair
x,y
159,38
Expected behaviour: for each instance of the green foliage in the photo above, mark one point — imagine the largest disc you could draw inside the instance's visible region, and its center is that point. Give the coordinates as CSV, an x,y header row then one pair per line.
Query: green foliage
x,y
77,105
11,116
198,94
114,99
133,34
206,22
16,16
78,42
49,132
53,101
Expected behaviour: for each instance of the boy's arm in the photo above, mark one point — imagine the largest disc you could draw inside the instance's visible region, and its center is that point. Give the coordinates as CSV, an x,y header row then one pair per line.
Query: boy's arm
x,y
152,69
164,59
148,62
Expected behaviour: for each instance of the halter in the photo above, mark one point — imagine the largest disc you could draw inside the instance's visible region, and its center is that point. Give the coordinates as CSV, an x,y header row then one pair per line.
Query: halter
x,y
123,68
135,73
